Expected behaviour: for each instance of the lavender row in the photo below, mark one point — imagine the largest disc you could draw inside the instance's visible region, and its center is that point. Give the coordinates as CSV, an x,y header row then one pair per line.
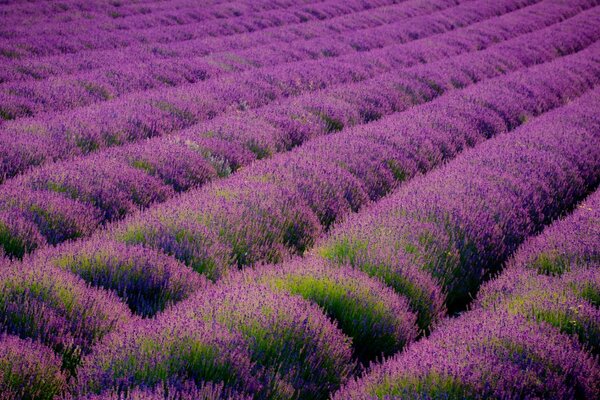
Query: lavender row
x,y
528,297
201,356
263,357
58,309
69,134
126,17
294,350
86,37
50,13
44,67
554,277
166,15
568,246
378,158
45,9
483,355
378,320
185,390
29,370
28,99
148,281
297,72
285,349
71,199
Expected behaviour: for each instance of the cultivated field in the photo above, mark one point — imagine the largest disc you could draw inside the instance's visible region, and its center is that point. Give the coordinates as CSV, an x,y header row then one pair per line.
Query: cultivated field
x,y
299,199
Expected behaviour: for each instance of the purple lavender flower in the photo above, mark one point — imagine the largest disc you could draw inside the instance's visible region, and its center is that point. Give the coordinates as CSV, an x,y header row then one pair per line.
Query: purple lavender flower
x,y
58,309
302,353
481,355
373,315
567,244
148,281
174,391
149,352
18,236
164,111
544,298
462,221
29,370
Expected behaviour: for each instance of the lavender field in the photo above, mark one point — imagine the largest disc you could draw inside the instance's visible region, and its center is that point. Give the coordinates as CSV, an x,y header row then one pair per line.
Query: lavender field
x,y
299,199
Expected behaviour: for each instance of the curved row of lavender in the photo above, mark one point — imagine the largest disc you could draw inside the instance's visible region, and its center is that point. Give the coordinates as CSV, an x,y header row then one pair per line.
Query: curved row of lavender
x,y
28,142
551,285
44,67
27,99
71,199
84,36
181,175
113,266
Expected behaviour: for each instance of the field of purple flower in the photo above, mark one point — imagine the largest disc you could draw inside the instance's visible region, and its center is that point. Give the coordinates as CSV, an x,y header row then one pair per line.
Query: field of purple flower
x,y
299,199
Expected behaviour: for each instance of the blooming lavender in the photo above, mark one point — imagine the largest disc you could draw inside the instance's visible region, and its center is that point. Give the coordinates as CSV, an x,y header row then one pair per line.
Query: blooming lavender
x,y
148,281
255,225
80,90
174,391
528,333
444,223
532,296
58,309
335,22
374,316
83,35
296,204
151,353
567,245
117,182
553,277
299,199
18,235
29,370
484,355
544,298
159,112
301,352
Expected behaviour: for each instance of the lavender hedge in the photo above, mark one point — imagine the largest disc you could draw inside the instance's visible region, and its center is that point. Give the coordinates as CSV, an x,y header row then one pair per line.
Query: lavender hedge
x,y
58,309
45,67
82,36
